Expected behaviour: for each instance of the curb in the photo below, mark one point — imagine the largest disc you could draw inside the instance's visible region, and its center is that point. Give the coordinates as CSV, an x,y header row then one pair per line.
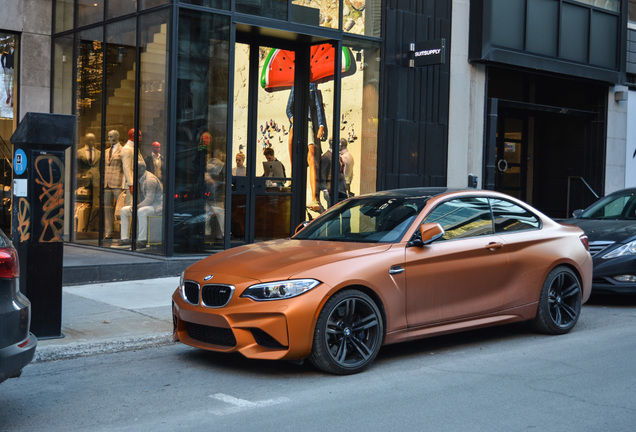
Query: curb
x,y
85,349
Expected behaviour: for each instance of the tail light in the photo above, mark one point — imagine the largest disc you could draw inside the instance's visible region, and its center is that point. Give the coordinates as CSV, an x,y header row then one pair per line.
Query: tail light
x,y
9,264
585,241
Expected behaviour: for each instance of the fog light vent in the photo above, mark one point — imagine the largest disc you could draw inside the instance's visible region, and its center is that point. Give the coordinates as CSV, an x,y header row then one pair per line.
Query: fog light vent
x,y
625,278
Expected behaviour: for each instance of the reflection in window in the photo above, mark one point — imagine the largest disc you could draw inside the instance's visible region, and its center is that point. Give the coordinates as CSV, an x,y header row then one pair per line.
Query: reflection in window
x,y
202,85
89,12
9,55
62,75
218,4
120,7
358,121
276,9
510,217
153,121
611,5
362,17
463,218
63,15
147,4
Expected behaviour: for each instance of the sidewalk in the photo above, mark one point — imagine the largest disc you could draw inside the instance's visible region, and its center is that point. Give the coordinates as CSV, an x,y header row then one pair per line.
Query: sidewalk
x,y
111,317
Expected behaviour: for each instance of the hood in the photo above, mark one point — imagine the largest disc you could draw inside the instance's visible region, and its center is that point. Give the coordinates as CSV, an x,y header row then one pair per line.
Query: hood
x,y
281,259
617,231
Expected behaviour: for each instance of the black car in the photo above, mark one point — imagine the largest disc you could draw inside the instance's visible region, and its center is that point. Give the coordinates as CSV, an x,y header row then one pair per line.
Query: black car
x,y
17,343
610,225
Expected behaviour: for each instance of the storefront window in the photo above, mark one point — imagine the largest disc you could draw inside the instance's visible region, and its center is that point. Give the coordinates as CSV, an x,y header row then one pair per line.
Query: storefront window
x,y
611,5
276,9
64,10
89,12
90,66
9,50
362,17
117,8
202,105
147,4
153,122
359,120
119,114
63,75
324,14
218,4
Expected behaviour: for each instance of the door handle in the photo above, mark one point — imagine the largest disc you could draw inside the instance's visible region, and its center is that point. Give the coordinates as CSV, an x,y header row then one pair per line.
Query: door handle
x,y
494,245
396,270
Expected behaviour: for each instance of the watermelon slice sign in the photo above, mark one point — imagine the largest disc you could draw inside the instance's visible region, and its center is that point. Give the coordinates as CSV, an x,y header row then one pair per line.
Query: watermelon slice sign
x,y
279,66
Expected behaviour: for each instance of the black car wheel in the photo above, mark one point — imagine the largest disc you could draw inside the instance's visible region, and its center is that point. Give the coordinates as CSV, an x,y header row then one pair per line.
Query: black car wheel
x,y
349,333
560,302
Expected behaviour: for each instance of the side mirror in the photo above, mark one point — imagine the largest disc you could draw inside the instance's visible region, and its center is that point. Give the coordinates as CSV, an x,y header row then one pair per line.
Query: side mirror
x,y
577,213
428,233
301,226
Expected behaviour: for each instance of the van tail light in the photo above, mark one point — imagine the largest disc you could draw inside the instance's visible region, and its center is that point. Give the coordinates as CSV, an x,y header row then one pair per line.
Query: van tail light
x,y
585,241
9,264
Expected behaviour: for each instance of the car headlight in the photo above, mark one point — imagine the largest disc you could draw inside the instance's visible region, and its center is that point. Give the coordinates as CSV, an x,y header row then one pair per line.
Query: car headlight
x,y
279,290
624,250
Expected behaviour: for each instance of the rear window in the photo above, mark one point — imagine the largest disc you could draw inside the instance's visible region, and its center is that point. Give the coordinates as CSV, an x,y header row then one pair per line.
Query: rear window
x,y
510,217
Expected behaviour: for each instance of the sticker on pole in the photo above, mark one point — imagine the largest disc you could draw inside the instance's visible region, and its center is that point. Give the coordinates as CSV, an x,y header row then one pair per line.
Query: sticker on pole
x,y
19,162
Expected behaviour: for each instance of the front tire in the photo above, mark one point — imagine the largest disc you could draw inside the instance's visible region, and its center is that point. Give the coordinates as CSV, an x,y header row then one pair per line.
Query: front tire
x,y
349,333
560,302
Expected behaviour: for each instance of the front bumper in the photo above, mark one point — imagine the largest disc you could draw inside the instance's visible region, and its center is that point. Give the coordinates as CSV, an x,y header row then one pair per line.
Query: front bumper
x,y
606,270
272,330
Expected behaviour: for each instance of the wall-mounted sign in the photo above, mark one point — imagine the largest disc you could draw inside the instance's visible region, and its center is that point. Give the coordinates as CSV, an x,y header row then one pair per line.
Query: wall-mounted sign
x,y
19,162
427,53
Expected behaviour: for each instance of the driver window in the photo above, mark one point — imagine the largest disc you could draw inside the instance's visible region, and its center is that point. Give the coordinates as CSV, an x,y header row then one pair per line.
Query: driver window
x,y
463,218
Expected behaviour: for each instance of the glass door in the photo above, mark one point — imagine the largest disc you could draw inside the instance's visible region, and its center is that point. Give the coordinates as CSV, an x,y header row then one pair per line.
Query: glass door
x,y
283,106
511,162
262,190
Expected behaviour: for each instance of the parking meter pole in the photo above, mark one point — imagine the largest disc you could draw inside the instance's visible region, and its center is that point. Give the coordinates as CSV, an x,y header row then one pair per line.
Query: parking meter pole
x,y
39,144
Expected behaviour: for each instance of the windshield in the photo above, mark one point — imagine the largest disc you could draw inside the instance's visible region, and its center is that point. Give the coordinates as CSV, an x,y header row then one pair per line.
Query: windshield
x,y
615,206
368,219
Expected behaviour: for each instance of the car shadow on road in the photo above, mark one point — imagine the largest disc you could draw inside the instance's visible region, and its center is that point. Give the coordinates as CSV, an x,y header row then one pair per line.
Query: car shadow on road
x,y
461,340
235,363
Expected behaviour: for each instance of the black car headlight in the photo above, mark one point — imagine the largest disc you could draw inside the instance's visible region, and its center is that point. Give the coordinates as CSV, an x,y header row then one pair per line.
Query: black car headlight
x,y
279,290
624,250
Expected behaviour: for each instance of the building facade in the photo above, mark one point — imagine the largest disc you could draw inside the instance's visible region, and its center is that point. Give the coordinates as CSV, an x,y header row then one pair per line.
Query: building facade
x,y
186,140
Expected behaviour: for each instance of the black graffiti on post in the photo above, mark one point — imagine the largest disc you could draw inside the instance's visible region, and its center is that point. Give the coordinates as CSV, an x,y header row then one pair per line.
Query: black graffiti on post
x,y
49,172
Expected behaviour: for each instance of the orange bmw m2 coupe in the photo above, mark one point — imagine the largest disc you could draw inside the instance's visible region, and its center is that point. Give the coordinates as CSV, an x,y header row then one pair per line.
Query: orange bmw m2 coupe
x,y
383,268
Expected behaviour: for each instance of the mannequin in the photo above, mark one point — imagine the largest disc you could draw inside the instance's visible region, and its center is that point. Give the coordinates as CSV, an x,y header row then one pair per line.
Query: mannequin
x,y
113,181
150,203
127,158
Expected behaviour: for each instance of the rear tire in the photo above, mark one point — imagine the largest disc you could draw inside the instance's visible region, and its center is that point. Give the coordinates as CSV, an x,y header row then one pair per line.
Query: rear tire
x,y
349,333
560,302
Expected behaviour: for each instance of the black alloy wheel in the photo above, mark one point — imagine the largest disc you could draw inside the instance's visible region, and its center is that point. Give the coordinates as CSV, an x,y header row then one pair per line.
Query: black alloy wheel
x,y
349,333
560,302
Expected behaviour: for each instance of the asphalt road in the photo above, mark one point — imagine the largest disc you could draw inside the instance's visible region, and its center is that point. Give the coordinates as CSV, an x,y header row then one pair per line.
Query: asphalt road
x,y
498,379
